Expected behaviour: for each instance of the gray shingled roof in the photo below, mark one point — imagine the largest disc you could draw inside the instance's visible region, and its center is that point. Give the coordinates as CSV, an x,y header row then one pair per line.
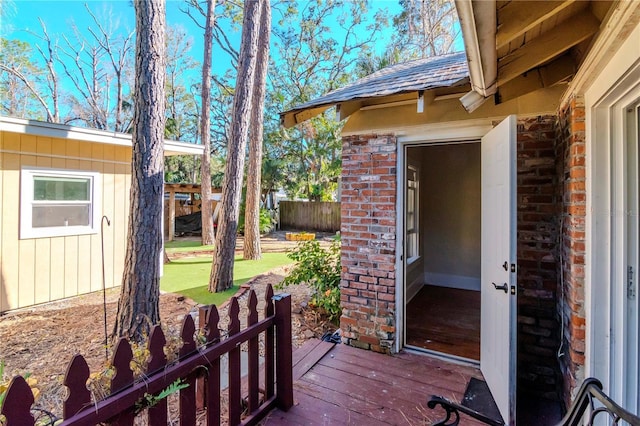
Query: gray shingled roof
x,y
423,74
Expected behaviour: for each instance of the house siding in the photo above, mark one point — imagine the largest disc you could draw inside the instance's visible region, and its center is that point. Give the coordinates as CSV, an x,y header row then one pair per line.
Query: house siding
x,y
570,154
39,270
368,234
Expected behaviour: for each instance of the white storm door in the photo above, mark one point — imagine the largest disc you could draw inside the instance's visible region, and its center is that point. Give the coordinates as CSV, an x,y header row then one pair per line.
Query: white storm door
x,y
631,351
498,271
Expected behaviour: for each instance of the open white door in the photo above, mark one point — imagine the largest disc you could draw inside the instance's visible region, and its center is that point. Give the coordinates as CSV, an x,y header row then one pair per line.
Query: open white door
x,y
498,272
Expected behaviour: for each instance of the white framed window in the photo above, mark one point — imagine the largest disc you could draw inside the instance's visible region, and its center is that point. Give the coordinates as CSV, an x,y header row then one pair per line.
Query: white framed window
x,y
56,203
412,214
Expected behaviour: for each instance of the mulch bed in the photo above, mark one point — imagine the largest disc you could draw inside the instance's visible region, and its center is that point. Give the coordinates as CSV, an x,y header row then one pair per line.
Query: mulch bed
x,y
42,340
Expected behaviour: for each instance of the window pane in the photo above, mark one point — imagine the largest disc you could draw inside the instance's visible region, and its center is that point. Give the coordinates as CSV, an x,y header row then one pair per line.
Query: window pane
x,y
45,216
47,188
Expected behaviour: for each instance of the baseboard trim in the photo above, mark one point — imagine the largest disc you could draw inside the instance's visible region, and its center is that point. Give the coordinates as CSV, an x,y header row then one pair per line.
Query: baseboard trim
x,y
414,288
452,281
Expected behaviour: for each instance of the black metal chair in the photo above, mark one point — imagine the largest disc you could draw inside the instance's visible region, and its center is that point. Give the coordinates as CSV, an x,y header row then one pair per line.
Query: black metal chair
x,y
590,406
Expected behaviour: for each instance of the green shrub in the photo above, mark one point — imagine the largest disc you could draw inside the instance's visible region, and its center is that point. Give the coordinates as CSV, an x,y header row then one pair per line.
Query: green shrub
x,y
320,268
266,222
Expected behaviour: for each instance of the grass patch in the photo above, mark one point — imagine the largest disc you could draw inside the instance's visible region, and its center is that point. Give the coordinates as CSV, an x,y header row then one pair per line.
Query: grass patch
x,y
190,276
185,246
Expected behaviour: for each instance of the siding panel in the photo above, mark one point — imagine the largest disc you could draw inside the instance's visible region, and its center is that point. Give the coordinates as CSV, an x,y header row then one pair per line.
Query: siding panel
x,y
44,269
70,266
26,248
2,167
95,277
108,185
121,194
9,236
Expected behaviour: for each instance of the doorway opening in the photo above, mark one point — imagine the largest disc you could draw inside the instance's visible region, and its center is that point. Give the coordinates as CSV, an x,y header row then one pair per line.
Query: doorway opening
x,y
442,191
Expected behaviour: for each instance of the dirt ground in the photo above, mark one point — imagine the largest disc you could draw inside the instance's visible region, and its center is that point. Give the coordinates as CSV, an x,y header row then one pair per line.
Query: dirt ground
x,y
41,340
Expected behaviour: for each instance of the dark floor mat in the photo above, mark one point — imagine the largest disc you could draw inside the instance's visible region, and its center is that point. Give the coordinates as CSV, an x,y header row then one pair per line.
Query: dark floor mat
x,y
478,398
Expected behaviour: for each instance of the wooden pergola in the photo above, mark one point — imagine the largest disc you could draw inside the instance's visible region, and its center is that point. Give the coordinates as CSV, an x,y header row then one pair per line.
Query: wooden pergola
x,y
181,188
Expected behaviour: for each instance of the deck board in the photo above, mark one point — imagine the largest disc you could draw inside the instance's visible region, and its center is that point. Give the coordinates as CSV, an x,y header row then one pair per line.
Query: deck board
x,y
305,361
352,386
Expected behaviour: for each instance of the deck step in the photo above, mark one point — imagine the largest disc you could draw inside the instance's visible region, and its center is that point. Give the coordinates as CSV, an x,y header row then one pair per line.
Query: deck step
x,y
308,355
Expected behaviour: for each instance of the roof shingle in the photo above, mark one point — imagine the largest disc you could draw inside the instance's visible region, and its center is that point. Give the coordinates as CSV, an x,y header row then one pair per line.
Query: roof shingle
x,y
423,74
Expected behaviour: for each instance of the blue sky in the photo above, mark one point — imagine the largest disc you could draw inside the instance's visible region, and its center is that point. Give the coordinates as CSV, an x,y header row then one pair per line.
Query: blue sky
x,y
21,18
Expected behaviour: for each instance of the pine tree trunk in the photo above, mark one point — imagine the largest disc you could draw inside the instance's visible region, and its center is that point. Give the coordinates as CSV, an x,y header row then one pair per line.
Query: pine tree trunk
x,y
222,267
138,306
252,249
205,123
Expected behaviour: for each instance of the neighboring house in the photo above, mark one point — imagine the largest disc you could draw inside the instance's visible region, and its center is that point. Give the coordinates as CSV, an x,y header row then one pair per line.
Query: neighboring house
x,y
56,184
510,175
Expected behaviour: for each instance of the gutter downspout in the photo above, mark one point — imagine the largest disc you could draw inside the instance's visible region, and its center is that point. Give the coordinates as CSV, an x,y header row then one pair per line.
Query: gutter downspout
x,y
478,22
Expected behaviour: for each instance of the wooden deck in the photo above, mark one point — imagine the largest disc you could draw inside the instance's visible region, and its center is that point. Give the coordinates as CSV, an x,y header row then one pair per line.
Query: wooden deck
x,y
342,385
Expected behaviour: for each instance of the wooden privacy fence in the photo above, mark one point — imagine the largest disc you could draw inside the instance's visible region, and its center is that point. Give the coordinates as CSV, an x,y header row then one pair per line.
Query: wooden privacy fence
x,y
197,368
310,215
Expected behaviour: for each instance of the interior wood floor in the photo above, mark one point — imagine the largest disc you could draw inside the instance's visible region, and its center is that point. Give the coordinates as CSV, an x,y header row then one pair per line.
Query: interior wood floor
x,y
446,320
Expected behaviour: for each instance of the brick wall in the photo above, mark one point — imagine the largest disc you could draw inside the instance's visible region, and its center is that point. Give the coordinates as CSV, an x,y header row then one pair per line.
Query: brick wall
x,y
537,215
570,155
368,232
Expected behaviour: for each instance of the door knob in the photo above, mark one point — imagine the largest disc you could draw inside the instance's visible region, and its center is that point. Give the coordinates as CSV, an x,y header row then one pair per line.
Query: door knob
x,y
504,287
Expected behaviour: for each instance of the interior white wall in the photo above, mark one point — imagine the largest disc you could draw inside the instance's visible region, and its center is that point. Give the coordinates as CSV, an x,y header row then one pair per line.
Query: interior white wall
x,y
450,214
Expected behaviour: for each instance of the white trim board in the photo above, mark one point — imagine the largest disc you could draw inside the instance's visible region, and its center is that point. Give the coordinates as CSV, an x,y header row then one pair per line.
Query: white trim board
x,y
452,281
614,89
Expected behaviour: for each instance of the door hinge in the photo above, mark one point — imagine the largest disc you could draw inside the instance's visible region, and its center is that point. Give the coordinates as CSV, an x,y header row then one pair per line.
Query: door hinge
x,y
631,285
513,267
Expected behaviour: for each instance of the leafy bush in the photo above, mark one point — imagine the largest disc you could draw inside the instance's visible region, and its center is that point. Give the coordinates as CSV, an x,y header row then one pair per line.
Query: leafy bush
x,y
266,222
320,268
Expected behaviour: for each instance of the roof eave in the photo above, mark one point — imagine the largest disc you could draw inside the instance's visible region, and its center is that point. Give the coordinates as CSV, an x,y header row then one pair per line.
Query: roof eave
x,y
478,24
63,131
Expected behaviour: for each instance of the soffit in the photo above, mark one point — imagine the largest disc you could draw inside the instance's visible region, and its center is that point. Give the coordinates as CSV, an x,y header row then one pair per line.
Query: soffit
x,y
540,44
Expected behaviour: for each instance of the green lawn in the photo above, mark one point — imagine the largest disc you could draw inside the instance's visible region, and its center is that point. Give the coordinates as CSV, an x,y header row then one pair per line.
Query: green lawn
x,y
185,246
190,276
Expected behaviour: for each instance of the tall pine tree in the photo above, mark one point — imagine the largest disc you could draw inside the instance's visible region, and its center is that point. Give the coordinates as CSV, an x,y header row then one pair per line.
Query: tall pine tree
x,y
222,267
138,306
251,248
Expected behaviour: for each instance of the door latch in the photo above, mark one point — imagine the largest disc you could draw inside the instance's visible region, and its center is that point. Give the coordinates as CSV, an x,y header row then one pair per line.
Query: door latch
x,y
503,287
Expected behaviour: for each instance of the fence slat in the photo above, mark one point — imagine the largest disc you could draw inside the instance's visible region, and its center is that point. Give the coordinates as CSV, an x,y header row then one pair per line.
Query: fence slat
x,y
16,407
122,378
269,343
203,316
284,360
188,394
75,380
213,377
310,215
254,364
158,413
235,377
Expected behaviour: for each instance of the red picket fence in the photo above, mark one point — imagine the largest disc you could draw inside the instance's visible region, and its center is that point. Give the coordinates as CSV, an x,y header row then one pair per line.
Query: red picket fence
x,y
199,368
